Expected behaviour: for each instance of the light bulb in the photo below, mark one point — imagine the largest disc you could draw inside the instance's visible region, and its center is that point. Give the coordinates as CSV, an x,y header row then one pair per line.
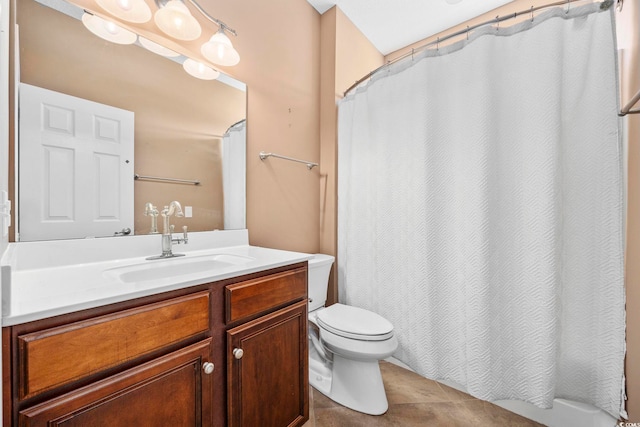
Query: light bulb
x,y
128,10
199,70
124,4
176,21
111,28
219,50
108,30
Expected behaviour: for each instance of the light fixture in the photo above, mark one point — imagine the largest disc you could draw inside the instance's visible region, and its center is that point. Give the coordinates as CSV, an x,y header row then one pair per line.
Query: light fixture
x,y
174,19
107,30
128,10
219,49
156,48
199,70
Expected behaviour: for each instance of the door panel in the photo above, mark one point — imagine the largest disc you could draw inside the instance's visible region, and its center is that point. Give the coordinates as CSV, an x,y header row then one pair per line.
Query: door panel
x,y
76,166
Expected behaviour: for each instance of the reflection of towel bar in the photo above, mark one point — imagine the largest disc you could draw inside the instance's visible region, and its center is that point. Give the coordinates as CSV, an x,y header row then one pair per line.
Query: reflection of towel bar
x,y
157,178
310,165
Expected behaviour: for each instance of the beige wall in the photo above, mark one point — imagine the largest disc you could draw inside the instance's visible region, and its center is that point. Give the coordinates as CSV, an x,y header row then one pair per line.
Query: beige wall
x,y
345,56
328,145
279,43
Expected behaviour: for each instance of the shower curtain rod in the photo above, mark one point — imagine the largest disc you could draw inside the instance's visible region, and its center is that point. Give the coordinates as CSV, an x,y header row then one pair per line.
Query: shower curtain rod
x,y
627,108
235,124
604,5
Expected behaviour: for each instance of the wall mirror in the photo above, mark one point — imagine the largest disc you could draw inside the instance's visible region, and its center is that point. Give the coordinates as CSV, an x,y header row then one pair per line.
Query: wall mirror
x,y
184,128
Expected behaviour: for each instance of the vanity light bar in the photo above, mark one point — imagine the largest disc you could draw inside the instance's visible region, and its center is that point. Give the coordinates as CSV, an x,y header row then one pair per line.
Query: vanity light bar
x,y
218,22
174,19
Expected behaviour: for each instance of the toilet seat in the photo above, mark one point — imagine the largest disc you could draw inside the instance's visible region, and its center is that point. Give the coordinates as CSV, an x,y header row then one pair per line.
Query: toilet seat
x,y
358,349
354,323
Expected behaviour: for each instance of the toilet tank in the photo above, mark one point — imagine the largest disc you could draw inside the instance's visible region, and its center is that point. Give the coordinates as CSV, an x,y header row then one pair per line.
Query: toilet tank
x,y
319,269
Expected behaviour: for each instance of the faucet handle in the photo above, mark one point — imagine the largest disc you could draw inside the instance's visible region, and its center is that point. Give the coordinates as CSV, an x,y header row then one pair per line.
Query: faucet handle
x,y
171,227
150,209
185,236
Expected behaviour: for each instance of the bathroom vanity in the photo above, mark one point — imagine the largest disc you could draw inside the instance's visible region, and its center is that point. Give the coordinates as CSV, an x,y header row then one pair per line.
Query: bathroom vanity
x,y
225,346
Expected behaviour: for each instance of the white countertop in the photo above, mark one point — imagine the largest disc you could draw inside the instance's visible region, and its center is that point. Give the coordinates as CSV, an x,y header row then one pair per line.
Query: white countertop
x,y
44,279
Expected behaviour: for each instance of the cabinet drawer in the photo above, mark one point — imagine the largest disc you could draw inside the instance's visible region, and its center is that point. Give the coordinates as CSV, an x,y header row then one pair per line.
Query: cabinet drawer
x,y
56,356
260,295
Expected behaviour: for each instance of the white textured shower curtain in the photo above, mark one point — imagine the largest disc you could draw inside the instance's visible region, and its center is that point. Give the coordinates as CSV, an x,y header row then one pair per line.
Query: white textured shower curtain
x,y
234,158
481,210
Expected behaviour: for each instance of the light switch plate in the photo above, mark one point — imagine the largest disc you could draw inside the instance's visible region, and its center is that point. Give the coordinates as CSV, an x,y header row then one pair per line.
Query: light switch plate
x,y
188,211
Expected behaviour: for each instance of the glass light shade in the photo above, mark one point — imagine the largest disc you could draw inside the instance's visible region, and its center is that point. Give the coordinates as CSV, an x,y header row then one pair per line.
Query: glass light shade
x,y
176,21
108,30
128,10
156,48
199,70
219,50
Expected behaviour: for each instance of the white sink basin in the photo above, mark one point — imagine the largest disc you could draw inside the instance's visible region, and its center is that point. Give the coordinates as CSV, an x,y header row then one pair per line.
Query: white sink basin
x,y
175,267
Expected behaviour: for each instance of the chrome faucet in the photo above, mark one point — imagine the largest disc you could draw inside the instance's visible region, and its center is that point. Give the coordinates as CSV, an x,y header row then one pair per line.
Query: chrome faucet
x,y
167,231
151,210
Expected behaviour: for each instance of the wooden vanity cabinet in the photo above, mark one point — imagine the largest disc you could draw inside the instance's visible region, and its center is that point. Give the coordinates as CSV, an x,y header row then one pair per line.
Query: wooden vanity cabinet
x,y
167,359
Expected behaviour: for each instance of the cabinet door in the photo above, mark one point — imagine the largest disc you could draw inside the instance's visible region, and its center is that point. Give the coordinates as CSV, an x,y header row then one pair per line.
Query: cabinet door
x,y
173,390
267,370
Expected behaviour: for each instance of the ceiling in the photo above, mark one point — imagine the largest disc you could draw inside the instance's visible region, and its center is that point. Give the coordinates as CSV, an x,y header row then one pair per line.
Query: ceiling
x,y
394,24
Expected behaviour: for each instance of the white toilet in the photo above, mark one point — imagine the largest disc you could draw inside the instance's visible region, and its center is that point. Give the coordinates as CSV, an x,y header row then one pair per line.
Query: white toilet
x,y
345,345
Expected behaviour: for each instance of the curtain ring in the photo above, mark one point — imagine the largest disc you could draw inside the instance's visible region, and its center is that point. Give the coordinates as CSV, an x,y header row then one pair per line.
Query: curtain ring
x,y
531,13
568,6
498,22
467,32
619,5
438,44
412,50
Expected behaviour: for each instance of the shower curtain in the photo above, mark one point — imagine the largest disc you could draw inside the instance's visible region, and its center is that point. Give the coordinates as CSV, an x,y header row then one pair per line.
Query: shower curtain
x,y
234,158
481,210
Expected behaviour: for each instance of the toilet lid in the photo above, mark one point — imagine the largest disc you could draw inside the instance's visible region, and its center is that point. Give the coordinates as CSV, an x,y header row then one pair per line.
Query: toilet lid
x,y
354,322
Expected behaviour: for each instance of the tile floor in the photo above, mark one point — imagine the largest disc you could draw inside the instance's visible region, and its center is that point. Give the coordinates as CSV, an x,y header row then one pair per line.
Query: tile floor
x,y
415,401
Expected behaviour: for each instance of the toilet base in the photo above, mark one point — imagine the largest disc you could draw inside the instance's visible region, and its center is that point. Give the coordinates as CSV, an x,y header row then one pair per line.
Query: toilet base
x,y
356,384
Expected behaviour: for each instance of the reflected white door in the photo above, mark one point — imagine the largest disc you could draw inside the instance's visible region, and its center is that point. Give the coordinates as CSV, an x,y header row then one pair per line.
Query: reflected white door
x,y
76,166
